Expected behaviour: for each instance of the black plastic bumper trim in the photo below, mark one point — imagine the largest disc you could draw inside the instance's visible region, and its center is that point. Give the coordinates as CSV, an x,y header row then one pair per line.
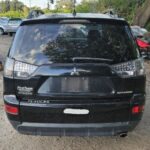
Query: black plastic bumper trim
x,y
52,129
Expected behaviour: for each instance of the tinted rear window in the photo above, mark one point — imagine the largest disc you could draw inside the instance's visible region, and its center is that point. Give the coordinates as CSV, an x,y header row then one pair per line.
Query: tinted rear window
x,y
59,43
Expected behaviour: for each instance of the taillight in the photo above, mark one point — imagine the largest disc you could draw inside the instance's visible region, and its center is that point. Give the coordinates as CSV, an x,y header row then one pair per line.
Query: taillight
x,y
23,70
137,109
142,44
11,109
130,68
16,69
8,69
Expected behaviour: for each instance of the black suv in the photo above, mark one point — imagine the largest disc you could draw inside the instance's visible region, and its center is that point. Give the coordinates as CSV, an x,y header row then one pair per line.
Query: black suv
x,y
74,75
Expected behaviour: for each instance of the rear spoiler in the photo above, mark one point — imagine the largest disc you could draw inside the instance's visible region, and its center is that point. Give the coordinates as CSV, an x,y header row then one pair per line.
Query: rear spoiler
x,y
63,20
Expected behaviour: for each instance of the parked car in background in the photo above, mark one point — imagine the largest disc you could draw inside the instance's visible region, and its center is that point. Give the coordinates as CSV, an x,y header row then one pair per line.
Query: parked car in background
x,y
147,37
144,47
10,26
138,31
13,25
3,23
3,20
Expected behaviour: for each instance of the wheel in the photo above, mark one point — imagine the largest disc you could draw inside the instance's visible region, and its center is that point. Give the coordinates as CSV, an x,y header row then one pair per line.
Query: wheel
x,y
10,34
1,31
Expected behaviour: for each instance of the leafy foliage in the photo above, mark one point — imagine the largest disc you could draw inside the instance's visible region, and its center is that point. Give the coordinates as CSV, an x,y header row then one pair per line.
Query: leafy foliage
x,y
13,14
124,8
13,8
148,26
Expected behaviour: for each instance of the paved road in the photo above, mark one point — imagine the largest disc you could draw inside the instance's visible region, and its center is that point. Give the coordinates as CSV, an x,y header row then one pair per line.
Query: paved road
x,y
11,140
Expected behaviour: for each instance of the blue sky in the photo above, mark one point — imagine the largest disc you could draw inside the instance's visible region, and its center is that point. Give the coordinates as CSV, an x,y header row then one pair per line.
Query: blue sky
x,y
39,3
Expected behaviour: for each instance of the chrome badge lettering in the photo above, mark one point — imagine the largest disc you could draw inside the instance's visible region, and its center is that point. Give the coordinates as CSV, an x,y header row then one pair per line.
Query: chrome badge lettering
x,y
25,90
32,101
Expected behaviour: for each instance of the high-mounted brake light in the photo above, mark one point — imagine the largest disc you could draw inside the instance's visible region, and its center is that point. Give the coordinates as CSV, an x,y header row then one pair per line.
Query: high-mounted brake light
x,y
130,68
11,109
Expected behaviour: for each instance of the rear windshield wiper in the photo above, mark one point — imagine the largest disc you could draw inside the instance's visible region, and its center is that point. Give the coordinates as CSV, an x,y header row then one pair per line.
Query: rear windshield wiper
x,y
91,59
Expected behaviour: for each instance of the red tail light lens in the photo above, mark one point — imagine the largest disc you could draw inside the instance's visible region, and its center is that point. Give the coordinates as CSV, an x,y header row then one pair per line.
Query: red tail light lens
x,y
11,110
137,109
142,44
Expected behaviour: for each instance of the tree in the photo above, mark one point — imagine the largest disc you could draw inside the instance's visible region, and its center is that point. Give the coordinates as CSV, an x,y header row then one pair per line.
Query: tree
x,y
124,8
48,5
142,14
13,8
7,5
2,6
64,5
15,4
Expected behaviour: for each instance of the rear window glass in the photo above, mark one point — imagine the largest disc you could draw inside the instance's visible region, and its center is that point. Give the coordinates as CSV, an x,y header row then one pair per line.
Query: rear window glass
x,y
59,43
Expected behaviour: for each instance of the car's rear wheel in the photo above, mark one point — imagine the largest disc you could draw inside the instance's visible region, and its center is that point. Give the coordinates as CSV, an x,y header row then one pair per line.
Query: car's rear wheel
x,y
1,31
11,34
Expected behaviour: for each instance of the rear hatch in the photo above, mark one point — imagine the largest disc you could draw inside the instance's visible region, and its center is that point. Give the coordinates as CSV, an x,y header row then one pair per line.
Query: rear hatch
x,y
71,65
93,90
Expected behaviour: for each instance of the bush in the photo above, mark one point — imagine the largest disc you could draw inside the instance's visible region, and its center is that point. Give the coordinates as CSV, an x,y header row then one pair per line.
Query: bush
x,y
13,14
148,26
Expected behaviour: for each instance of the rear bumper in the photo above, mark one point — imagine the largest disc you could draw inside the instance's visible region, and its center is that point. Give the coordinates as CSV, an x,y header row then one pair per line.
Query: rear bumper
x,y
51,129
35,119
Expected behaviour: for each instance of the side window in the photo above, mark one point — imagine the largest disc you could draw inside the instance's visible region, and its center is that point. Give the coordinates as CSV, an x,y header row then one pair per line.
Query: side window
x,y
14,22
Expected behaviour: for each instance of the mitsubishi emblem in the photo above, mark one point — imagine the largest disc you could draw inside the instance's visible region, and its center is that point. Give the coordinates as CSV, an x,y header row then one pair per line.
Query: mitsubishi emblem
x,y
75,72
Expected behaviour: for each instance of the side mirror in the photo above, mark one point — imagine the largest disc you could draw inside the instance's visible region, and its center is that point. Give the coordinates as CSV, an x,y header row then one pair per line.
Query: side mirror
x,y
1,66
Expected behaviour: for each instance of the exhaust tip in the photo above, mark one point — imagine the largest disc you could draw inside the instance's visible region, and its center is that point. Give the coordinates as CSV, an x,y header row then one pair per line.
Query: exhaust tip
x,y
123,135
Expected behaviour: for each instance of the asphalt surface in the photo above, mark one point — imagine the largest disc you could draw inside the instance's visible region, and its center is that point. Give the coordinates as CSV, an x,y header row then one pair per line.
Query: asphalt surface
x,y
139,139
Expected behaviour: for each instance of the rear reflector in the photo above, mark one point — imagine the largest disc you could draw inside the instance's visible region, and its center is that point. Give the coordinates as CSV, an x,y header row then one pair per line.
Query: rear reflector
x,y
11,110
137,109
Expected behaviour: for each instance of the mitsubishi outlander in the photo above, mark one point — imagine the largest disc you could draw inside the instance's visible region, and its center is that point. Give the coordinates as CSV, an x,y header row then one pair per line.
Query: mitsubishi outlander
x,y
77,75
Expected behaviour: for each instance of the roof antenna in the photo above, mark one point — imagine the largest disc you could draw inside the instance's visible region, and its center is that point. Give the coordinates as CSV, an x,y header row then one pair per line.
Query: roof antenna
x,y
74,8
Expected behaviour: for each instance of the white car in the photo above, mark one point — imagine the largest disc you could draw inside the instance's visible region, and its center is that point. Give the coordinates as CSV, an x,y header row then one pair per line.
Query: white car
x,y
9,26
138,31
3,23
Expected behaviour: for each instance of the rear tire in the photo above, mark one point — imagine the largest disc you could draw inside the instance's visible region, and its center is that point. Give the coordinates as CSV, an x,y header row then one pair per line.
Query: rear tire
x,y
1,31
10,34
